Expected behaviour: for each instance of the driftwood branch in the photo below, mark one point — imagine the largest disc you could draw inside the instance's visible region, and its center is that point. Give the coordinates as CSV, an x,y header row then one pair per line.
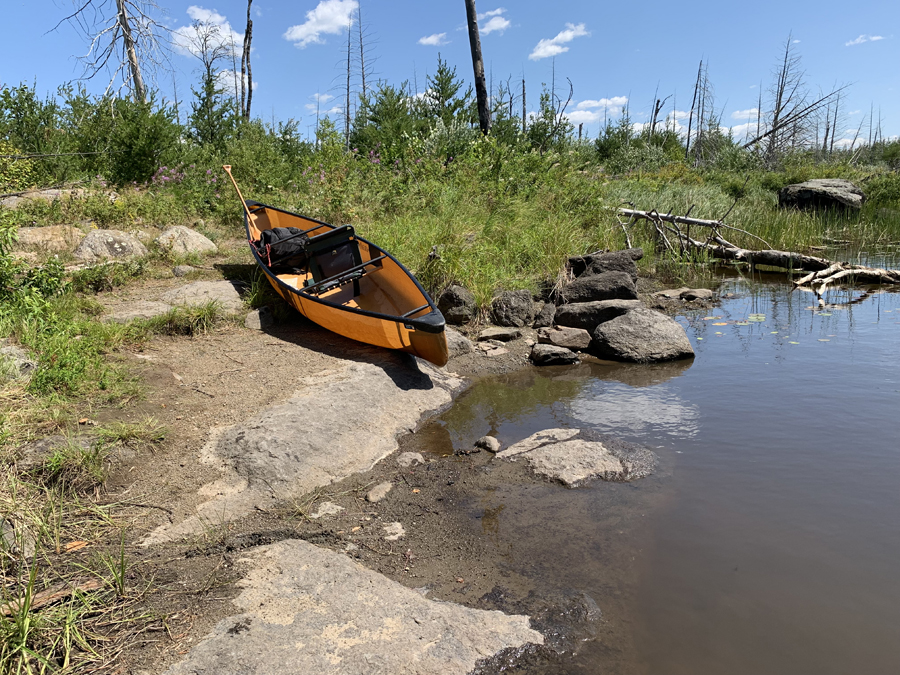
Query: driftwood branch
x,y
822,271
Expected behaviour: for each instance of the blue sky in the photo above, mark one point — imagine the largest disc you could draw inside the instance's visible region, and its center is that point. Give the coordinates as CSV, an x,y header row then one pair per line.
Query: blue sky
x,y
612,52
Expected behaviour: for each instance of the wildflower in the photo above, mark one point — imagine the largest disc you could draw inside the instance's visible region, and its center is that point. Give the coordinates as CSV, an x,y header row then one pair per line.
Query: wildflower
x,y
208,171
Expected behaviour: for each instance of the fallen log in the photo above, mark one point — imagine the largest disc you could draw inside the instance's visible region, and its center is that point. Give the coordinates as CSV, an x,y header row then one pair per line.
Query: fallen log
x,y
822,271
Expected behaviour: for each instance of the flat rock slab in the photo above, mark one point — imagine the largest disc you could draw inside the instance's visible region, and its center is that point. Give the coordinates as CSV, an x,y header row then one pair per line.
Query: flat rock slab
x,y
570,338
499,333
201,292
53,238
142,309
822,193
573,456
304,609
457,343
336,424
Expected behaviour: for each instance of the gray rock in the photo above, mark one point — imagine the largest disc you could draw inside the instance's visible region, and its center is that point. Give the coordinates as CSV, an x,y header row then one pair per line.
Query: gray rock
x,y
698,294
15,363
501,334
100,245
570,338
201,292
613,261
50,194
350,420
142,309
393,531
588,314
408,459
488,443
551,355
182,240
52,239
457,343
822,193
513,308
259,319
572,456
643,336
544,318
379,492
605,286
305,609
326,509
32,456
457,304
671,294
182,270
16,539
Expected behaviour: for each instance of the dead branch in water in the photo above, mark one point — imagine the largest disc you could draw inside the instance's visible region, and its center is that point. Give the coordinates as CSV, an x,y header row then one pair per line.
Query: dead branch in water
x,y
822,271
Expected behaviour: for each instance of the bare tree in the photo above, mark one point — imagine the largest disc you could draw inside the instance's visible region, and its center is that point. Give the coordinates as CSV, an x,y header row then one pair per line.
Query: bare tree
x,y
791,118
125,39
246,72
484,111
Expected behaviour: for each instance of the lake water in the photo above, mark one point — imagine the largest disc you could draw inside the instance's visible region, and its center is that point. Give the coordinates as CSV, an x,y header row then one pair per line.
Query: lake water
x,y
769,540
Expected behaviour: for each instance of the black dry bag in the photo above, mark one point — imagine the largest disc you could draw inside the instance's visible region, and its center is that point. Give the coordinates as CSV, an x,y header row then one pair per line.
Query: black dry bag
x,y
283,247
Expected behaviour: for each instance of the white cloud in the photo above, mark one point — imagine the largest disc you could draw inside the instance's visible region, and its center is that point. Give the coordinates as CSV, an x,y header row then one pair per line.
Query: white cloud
x,y
750,113
435,40
584,116
330,17
739,131
186,39
230,81
854,112
546,48
795,42
679,115
616,102
319,101
498,23
864,38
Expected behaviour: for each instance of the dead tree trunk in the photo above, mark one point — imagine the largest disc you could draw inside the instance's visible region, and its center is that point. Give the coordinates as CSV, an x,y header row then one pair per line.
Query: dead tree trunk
x,y
140,93
246,74
484,112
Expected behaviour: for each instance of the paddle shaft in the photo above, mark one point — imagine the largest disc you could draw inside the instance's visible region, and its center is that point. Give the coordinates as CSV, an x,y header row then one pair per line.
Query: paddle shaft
x,y
227,168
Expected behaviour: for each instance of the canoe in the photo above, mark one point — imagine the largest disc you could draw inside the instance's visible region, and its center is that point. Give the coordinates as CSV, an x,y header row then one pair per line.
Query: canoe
x,y
351,286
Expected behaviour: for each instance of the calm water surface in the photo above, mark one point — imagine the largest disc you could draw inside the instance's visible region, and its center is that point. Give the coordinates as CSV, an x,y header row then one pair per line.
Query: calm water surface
x,y
769,541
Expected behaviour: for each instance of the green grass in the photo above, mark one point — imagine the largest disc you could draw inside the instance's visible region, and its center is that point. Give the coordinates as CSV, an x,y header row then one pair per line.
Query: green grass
x,y
187,321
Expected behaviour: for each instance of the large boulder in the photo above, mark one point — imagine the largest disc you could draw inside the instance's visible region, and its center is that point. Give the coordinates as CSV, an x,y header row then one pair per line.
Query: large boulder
x,y
52,239
100,245
182,240
614,261
642,336
822,193
457,304
513,308
605,286
588,314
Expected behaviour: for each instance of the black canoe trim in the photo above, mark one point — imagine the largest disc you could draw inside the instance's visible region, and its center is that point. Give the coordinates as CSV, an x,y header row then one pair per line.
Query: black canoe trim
x,y
433,322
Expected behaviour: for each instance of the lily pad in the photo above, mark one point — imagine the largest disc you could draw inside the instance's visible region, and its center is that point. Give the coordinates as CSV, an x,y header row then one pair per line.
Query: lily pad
x,y
721,323
824,313
756,318
711,318
793,343
741,323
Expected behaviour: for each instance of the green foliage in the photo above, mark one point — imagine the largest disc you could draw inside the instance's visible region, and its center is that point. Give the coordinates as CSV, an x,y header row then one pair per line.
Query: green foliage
x,y
16,173
142,137
106,277
188,321
884,190
213,116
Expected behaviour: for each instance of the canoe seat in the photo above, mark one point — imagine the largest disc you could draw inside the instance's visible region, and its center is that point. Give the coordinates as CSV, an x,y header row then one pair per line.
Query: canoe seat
x,y
335,260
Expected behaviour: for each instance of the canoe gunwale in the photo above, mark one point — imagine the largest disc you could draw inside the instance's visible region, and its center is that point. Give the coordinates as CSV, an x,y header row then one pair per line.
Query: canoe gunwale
x,y
433,322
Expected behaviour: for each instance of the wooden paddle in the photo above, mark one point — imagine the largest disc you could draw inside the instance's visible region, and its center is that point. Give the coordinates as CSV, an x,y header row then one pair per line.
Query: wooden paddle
x,y
227,168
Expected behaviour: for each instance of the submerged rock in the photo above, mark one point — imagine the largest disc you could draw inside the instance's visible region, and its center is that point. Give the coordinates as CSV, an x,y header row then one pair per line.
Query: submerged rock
x,y
488,443
698,294
643,336
573,456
